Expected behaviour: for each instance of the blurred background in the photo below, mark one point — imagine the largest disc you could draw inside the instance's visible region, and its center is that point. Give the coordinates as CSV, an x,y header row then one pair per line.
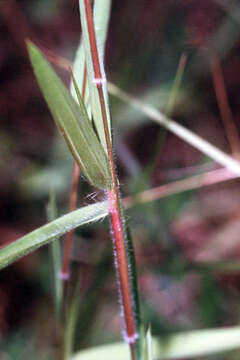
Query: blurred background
x,y
187,244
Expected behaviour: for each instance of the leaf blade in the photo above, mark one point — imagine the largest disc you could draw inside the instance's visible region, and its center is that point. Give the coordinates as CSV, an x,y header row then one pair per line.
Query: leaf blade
x,y
180,131
100,25
50,231
55,258
72,121
182,345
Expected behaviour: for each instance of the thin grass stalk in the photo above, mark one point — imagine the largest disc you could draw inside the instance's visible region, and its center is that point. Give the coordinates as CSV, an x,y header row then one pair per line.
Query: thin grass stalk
x,y
72,316
113,195
196,141
194,182
65,274
72,202
55,257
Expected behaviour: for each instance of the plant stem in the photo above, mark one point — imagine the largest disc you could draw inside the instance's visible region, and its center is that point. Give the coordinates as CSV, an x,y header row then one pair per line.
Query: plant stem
x,y
194,182
68,241
113,195
72,202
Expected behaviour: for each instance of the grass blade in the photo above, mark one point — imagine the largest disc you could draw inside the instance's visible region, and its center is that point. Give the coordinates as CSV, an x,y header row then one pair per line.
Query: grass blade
x,y
49,232
72,121
183,345
71,321
101,19
148,345
92,81
55,252
79,73
196,141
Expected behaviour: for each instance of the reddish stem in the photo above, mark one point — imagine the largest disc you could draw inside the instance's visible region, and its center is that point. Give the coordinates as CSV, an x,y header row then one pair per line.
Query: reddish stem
x,y
113,194
194,182
69,235
72,203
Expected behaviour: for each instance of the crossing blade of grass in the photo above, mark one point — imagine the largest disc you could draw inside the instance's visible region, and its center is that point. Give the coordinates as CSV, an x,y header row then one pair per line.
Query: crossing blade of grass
x,y
93,81
194,182
182,345
73,122
55,252
49,232
196,141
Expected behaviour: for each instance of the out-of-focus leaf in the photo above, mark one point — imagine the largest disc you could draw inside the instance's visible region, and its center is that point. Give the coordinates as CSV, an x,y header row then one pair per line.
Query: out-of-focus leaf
x,y
73,122
55,258
49,232
220,266
71,320
148,345
183,133
183,345
100,30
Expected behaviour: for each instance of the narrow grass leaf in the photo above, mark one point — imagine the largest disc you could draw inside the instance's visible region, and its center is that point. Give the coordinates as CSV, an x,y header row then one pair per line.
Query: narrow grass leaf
x,y
148,345
71,321
101,15
50,231
92,82
183,345
55,258
196,141
72,121
101,19
134,288
78,73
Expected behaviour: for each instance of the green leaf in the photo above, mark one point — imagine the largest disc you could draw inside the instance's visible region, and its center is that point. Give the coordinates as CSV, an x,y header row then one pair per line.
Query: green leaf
x,y
183,345
49,232
101,19
72,121
100,24
148,345
134,287
71,320
55,258
78,72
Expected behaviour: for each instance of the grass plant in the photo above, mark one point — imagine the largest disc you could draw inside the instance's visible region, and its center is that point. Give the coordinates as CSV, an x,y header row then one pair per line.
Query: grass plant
x,y
83,117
